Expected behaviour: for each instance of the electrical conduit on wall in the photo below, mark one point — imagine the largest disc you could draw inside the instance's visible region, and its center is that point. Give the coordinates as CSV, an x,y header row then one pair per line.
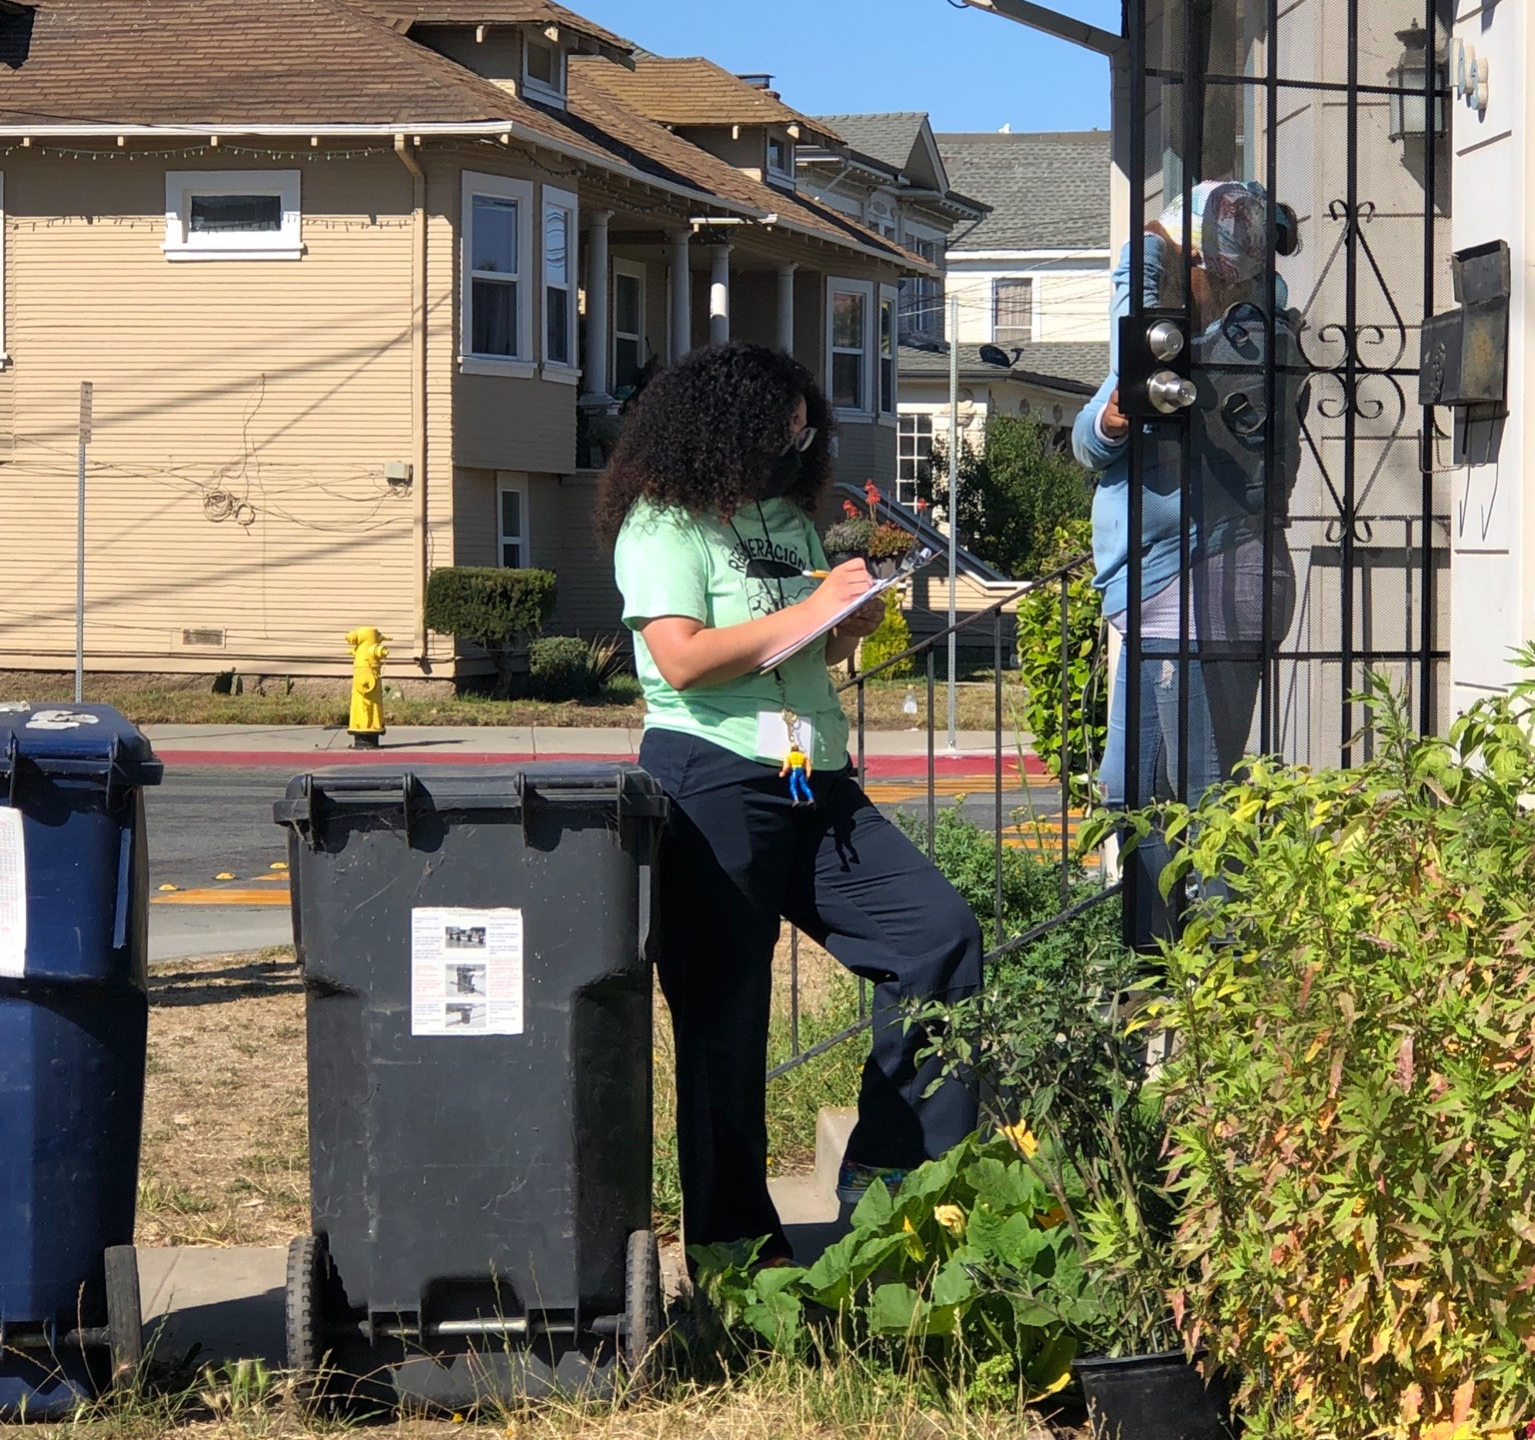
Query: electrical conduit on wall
x,y
417,391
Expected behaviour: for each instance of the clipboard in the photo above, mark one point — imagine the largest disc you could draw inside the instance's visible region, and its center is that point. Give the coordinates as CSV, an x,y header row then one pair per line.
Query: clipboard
x,y
913,562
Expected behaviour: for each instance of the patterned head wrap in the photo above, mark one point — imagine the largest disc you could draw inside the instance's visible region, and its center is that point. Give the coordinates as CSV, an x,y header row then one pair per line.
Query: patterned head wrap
x,y
1230,228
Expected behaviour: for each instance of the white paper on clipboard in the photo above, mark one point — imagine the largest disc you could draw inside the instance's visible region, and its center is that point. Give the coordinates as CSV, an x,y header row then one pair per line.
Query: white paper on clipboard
x,y
13,895
915,561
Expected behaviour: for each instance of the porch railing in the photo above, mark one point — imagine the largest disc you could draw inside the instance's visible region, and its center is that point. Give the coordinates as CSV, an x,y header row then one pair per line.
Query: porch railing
x,y
1003,738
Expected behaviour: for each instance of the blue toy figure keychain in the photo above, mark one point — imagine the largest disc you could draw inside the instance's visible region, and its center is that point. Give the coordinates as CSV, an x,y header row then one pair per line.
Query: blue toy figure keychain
x,y
796,764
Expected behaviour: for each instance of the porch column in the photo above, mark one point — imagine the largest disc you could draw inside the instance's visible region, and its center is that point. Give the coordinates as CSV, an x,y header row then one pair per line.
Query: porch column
x,y
719,294
597,309
682,295
786,307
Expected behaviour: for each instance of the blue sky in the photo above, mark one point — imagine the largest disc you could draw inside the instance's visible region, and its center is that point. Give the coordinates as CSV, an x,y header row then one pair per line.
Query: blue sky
x,y
967,69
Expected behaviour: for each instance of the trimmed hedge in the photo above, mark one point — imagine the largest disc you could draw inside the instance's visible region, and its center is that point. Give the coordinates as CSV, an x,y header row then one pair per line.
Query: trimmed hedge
x,y
492,607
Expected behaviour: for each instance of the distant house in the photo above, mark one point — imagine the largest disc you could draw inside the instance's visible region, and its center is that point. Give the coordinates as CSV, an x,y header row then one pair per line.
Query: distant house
x,y
889,173
1035,268
1032,280
359,286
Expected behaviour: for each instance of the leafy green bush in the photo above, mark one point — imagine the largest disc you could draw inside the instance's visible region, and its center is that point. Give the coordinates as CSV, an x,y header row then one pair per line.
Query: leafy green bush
x,y
1014,495
561,668
1039,664
1352,1090
565,667
962,1273
892,637
491,607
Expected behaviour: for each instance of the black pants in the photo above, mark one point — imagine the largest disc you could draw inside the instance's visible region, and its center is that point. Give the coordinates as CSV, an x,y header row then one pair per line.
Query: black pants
x,y
738,858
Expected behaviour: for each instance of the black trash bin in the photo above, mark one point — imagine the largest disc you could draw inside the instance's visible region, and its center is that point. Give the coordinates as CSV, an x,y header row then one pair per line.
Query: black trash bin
x,y
74,1012
474,947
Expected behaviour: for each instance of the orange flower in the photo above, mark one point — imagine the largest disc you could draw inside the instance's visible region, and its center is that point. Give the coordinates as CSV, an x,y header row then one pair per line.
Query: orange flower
x,y
849,509
871,492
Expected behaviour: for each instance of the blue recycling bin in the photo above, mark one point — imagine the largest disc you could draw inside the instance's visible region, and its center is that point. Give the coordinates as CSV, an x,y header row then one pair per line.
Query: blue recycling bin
x,y
74,1011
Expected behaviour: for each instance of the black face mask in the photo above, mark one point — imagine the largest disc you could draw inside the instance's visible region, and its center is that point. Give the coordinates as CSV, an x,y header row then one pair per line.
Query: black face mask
x,y
782,477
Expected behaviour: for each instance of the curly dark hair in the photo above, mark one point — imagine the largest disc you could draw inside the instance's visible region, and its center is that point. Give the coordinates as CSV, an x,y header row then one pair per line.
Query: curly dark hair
x,y
705,433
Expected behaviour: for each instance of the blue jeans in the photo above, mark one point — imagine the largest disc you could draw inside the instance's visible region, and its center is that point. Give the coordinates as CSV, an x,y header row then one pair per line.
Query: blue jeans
x,y
1221,697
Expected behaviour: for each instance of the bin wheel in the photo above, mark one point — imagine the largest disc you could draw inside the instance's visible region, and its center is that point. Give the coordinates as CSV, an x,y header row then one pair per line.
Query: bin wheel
x,y
308,1265
125,1314
642,1310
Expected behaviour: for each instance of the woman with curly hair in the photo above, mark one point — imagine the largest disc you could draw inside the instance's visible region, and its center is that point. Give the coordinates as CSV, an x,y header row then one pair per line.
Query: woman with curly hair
x,y
710,494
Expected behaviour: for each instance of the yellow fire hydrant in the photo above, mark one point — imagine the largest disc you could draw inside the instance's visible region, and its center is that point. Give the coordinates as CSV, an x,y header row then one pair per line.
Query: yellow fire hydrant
x,y
368,656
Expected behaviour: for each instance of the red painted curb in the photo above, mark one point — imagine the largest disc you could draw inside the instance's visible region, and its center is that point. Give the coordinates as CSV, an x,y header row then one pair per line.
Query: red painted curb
x,y
875,766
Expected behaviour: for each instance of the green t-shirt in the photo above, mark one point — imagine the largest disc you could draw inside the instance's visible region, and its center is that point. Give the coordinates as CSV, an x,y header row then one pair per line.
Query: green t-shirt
x,y
669,562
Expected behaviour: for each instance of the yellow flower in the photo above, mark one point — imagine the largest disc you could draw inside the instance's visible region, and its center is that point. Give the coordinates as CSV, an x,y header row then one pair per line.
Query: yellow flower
x,y
951,1217
1022,1138
914,1245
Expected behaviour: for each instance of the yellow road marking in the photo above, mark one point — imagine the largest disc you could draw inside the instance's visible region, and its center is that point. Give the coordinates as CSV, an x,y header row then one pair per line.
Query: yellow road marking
x,y
223,897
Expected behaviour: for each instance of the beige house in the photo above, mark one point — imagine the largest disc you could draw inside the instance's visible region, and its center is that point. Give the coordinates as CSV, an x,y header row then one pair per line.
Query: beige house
x,y
356,286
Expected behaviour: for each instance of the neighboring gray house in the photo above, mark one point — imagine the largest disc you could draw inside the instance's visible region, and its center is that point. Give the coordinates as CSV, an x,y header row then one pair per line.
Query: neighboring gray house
x,y
890,175
1032,278
1036,266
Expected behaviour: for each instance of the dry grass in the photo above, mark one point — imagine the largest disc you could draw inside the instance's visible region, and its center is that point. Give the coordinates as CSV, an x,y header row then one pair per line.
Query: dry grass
x,y
193,703
773,1400
226,1155
225,1163
225,1158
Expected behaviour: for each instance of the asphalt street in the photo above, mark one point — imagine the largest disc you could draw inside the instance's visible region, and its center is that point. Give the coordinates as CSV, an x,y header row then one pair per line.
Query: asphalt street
x,y
213,842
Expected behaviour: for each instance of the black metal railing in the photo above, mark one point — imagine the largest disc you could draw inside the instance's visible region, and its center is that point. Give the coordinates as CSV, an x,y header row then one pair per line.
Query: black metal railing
x,y
1058,834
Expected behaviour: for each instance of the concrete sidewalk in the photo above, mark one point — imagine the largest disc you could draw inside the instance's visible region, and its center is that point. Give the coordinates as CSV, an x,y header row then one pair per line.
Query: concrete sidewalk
x,y
887,752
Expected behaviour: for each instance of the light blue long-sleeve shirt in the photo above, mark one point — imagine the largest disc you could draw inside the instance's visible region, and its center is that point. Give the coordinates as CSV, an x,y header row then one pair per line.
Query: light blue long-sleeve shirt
x,y
1161,485
1161,508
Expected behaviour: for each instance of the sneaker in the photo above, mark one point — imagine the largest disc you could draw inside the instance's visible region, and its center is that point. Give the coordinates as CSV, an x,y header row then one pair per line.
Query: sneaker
x,y
853,1180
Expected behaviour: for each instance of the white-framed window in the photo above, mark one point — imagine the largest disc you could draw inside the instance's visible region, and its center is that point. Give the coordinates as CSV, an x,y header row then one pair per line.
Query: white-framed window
x,y
1012,310
913,452
922,296
498,273
628,323
543,69
560,232
232,215
780,157
887,347
511,521
849,344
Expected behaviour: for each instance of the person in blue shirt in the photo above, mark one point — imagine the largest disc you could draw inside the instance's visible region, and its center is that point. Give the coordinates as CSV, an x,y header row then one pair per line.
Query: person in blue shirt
x,y
1217,605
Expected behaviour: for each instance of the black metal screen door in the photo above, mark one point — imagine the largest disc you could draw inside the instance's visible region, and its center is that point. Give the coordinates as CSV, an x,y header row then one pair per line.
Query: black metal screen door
x,y
1286,531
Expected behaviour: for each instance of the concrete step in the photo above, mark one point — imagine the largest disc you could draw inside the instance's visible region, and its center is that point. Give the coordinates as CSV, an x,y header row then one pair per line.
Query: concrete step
x,y
812,1216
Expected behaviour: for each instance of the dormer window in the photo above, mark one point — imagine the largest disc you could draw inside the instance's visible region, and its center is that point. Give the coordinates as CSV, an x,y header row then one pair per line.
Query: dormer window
x,y
543,70
780,156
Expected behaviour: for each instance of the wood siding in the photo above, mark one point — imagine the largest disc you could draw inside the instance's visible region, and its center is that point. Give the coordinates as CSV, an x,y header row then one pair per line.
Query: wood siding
x,y
244,411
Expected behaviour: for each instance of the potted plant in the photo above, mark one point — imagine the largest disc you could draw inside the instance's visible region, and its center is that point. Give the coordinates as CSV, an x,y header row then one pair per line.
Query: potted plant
x,y
849,538
1056,1042
882,543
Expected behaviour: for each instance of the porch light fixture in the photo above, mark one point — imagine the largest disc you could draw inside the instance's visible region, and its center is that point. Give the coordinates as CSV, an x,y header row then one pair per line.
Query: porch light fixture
x,y
1408,108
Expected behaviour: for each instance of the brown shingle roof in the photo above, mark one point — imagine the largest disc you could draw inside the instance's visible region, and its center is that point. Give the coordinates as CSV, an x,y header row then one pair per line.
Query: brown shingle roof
x,y
227,64
402,14
595,96
220,62
696,91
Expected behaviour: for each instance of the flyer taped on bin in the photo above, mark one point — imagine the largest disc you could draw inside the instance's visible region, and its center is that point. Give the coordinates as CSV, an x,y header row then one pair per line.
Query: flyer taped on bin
x,y
466,972
913,561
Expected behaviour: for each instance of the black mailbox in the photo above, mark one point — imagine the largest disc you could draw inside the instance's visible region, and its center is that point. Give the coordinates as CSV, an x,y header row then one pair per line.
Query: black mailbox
x,y
1465,350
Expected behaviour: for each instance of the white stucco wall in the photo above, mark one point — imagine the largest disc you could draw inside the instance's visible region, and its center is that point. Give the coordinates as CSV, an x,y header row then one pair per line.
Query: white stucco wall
x,y
1492,521
1071,293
